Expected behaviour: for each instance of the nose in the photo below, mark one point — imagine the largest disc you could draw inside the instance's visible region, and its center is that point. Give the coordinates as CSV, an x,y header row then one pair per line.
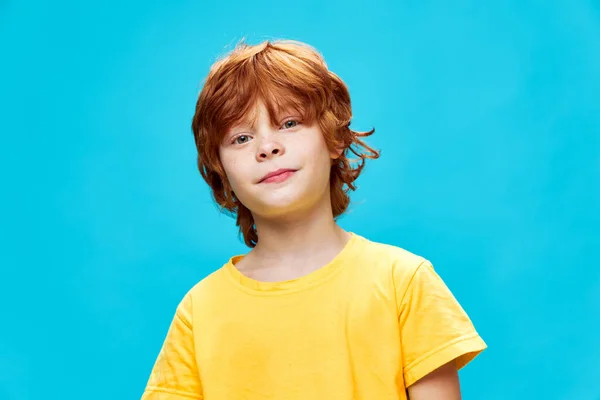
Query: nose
x,y
269,148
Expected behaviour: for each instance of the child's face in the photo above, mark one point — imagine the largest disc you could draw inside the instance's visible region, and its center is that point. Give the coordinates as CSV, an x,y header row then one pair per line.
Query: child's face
x,y
248,154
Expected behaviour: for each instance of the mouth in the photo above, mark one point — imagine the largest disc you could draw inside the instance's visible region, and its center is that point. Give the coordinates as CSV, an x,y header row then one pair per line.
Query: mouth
x,y
277,176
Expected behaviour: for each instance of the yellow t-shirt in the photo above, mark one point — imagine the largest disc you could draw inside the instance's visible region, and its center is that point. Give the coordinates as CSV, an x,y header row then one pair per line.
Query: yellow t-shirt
x,y
366,326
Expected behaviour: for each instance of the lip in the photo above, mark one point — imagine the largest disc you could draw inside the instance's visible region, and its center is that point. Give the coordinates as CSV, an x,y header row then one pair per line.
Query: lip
x,y
279,175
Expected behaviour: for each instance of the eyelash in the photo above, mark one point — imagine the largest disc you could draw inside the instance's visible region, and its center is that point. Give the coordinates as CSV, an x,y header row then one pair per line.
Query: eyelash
x,y
298,122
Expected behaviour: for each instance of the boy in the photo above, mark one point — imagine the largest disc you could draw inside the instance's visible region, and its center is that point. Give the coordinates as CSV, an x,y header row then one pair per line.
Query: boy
x,y
312,311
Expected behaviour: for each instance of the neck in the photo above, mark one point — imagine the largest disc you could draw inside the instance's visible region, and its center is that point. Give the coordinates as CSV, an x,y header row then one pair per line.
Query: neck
x,y
311,238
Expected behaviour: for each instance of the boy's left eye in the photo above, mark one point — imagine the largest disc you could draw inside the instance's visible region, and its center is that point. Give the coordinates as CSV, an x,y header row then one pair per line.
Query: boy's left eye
x,y
290,124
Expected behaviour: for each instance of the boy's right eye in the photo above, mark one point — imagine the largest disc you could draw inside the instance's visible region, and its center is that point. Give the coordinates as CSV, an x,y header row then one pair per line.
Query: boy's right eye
x,y
241,139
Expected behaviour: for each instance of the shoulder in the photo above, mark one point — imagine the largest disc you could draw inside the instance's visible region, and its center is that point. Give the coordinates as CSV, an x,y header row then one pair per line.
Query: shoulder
x,y
408,274
208,290
390,258
387,264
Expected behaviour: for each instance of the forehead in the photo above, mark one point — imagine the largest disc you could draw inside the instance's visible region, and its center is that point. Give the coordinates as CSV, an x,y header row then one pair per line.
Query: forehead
x,y
252,115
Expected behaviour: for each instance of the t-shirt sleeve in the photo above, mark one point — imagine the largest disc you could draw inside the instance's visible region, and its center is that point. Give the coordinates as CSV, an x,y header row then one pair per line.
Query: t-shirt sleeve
x,y
434,328
175,373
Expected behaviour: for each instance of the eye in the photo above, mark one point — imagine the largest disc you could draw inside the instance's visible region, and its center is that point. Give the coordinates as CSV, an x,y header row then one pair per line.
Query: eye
x,y
241,139
292,123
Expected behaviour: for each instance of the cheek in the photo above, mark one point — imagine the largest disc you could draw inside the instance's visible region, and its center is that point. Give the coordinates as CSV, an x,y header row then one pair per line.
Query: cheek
x,y
238,174
318,167
232,170
313,146
321,155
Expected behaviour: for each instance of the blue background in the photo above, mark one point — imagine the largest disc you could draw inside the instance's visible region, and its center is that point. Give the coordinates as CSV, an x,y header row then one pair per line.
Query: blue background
x,y
487,114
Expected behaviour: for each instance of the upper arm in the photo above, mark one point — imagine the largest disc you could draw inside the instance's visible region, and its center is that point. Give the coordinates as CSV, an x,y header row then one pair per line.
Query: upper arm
x,y
441,384
435,331
175,373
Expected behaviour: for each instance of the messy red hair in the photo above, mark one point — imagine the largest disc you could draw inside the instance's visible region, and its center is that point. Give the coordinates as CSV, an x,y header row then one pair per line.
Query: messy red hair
x,y
284,75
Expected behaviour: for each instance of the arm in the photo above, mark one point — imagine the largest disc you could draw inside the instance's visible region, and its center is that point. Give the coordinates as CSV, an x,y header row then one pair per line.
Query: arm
x,y
436,334
175,373
441,384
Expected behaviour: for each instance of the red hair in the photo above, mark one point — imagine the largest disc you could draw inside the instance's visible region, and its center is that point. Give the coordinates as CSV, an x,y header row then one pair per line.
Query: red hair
x,y
284,75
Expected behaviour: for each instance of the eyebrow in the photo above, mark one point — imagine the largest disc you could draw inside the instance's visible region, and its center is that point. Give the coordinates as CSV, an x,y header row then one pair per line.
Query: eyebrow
x,y
243,124
249,121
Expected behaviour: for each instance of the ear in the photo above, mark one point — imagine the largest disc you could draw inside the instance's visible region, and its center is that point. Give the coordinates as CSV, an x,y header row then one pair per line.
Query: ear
x,y
336,153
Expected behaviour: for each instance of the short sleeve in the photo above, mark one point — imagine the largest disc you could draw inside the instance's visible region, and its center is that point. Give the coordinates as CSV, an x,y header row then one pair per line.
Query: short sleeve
x,y
175,373
434,328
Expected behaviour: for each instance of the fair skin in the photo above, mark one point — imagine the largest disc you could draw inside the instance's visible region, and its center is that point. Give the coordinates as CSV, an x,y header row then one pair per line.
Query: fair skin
x,y
293,217
441,384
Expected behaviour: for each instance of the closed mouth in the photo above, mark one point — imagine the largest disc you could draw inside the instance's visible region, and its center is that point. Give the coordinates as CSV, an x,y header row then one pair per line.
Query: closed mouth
x,y
275,174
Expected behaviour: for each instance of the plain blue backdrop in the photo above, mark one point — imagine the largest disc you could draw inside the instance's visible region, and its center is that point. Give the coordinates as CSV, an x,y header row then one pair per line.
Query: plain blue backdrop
x,y
487,115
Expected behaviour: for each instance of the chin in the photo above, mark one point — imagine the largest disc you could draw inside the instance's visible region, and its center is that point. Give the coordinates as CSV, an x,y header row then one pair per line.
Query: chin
x,y
285,200
278,204
277,209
